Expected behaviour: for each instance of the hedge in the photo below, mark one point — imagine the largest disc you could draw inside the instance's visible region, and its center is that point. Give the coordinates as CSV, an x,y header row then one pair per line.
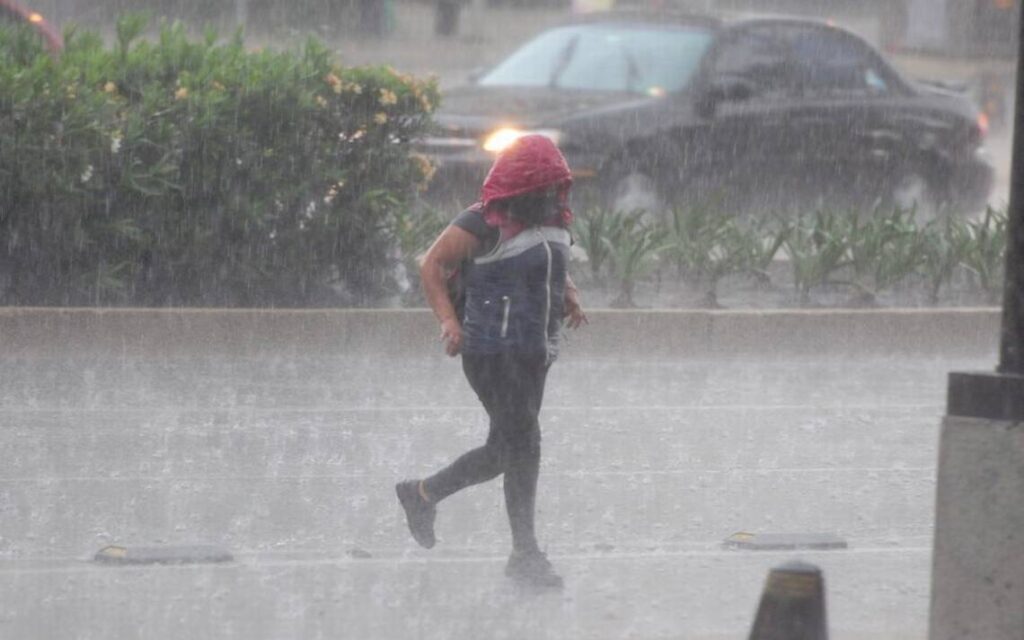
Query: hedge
x,y
329,15
182,172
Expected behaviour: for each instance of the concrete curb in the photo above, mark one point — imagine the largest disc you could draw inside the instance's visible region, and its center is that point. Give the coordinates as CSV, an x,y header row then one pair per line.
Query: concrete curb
x,y
58,332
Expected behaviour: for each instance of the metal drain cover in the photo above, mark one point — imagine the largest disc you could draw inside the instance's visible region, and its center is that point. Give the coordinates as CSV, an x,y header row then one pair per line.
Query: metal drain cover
x,y
784,541
170,554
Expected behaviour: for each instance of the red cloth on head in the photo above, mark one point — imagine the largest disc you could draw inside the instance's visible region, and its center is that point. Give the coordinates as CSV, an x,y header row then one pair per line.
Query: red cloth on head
x,y
531,163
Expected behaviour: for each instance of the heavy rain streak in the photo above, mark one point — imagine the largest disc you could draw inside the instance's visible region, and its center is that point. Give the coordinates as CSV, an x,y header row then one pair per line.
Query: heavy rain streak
x,y
466,319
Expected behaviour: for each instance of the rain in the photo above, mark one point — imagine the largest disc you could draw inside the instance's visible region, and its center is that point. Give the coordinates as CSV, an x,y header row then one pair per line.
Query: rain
x,y
226,313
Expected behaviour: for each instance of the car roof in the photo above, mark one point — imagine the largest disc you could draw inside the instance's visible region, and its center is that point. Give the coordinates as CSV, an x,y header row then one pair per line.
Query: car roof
x,y
717,21
647,17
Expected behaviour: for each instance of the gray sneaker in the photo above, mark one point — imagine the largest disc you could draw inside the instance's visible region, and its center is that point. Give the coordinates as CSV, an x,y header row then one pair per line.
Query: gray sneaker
x,y
532,568
419,513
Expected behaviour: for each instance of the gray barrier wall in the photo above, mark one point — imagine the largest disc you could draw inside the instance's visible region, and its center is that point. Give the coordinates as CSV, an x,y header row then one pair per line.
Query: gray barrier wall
x,y
45,332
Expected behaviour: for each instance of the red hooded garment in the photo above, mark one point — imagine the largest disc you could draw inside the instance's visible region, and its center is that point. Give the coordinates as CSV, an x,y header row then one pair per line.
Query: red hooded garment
x,y
531,163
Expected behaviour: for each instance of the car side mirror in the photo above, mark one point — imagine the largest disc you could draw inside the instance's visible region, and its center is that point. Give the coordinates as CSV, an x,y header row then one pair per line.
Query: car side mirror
x,y
724,89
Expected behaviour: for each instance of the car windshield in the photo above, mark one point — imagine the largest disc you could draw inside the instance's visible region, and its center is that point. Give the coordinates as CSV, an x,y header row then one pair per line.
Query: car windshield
x,y
648,60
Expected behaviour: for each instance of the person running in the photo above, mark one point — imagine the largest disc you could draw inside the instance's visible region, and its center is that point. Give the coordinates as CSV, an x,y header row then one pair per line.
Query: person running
x,y
511,251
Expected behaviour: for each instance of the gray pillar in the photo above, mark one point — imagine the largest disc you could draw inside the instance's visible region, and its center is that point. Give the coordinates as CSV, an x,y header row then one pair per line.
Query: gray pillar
x,y
978,559
1011,353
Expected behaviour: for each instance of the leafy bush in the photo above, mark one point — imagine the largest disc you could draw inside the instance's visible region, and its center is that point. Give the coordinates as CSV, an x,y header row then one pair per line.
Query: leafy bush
x,y
632,250
198,173
706,244
818,248
594,232
414,231
984,254
272,14
944,249
869,253
886,247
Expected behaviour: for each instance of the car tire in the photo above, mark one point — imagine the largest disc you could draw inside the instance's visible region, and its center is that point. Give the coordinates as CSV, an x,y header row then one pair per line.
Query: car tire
x,y
628,189
912,190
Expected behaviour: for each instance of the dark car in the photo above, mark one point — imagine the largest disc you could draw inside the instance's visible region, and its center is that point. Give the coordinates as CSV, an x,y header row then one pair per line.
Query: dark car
x,y
12,13
765,113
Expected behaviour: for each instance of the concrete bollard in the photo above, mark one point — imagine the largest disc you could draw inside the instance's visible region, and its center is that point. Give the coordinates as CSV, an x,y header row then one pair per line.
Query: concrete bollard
x,y
792,605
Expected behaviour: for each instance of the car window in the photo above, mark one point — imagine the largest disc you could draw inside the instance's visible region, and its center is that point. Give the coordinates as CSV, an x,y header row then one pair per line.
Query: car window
x,y
759,60
646,60
831,62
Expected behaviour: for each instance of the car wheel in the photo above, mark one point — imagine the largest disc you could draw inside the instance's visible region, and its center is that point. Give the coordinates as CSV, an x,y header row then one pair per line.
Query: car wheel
x,y
912,191
634,191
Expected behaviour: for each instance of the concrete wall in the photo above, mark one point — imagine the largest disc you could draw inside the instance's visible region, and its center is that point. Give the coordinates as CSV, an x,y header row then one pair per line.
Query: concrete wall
x,y
47,332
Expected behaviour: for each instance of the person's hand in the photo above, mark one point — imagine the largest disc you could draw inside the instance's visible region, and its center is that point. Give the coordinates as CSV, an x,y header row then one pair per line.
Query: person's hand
x,y
451,335
574,311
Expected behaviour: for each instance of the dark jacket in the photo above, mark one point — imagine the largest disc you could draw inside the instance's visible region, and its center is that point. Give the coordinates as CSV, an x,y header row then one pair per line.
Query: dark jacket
x,y
515,292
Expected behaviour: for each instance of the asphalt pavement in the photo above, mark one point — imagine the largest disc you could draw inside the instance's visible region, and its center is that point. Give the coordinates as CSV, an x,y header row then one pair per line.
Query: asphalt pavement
x,y
289,462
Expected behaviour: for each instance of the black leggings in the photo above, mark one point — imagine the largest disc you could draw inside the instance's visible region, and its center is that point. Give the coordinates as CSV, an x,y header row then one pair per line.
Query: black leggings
x,y
511,388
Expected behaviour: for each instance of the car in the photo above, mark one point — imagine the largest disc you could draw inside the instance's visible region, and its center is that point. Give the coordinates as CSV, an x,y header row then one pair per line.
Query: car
x,y
13,13
755,114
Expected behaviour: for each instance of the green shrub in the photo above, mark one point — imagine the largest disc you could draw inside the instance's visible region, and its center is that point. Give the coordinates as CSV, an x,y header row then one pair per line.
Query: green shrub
x,y
413,231
818,248
262,14
984,256
944,248
706,244
198,173
693,232
631,250
886,248
594,231
870,252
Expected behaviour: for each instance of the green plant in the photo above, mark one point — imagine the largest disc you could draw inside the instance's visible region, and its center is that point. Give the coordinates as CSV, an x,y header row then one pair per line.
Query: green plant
x,y
692,233
761,244
632,249
280,17
413,231
181,171
592,230
944,246
885,248
985,250
729,254
706,244
818,249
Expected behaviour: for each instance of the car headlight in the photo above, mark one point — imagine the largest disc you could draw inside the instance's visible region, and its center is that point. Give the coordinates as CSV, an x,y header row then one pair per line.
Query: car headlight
x,y
501,139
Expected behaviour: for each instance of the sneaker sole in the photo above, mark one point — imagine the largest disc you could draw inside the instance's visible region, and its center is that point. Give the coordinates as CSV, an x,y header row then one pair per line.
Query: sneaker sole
x,y
403,497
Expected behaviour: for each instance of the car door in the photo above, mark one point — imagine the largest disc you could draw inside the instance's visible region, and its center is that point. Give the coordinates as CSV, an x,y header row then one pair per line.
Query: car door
x,y
743,148
847,142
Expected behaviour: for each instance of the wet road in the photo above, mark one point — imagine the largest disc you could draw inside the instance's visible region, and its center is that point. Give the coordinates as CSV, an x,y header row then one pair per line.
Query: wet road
x,y
290,462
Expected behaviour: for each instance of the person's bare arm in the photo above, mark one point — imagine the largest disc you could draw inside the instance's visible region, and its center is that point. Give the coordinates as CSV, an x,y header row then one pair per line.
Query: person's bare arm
x,y
573,308
451,247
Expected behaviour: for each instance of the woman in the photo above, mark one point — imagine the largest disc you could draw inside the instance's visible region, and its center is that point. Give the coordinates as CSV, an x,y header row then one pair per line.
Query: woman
x,y
511,250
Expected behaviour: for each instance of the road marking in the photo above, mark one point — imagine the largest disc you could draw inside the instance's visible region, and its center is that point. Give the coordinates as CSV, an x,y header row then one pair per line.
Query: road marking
x,y
760,471
330,410
247,562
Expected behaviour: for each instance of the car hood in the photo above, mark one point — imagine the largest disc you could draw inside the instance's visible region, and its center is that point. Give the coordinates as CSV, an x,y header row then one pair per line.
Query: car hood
x,y
479,108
